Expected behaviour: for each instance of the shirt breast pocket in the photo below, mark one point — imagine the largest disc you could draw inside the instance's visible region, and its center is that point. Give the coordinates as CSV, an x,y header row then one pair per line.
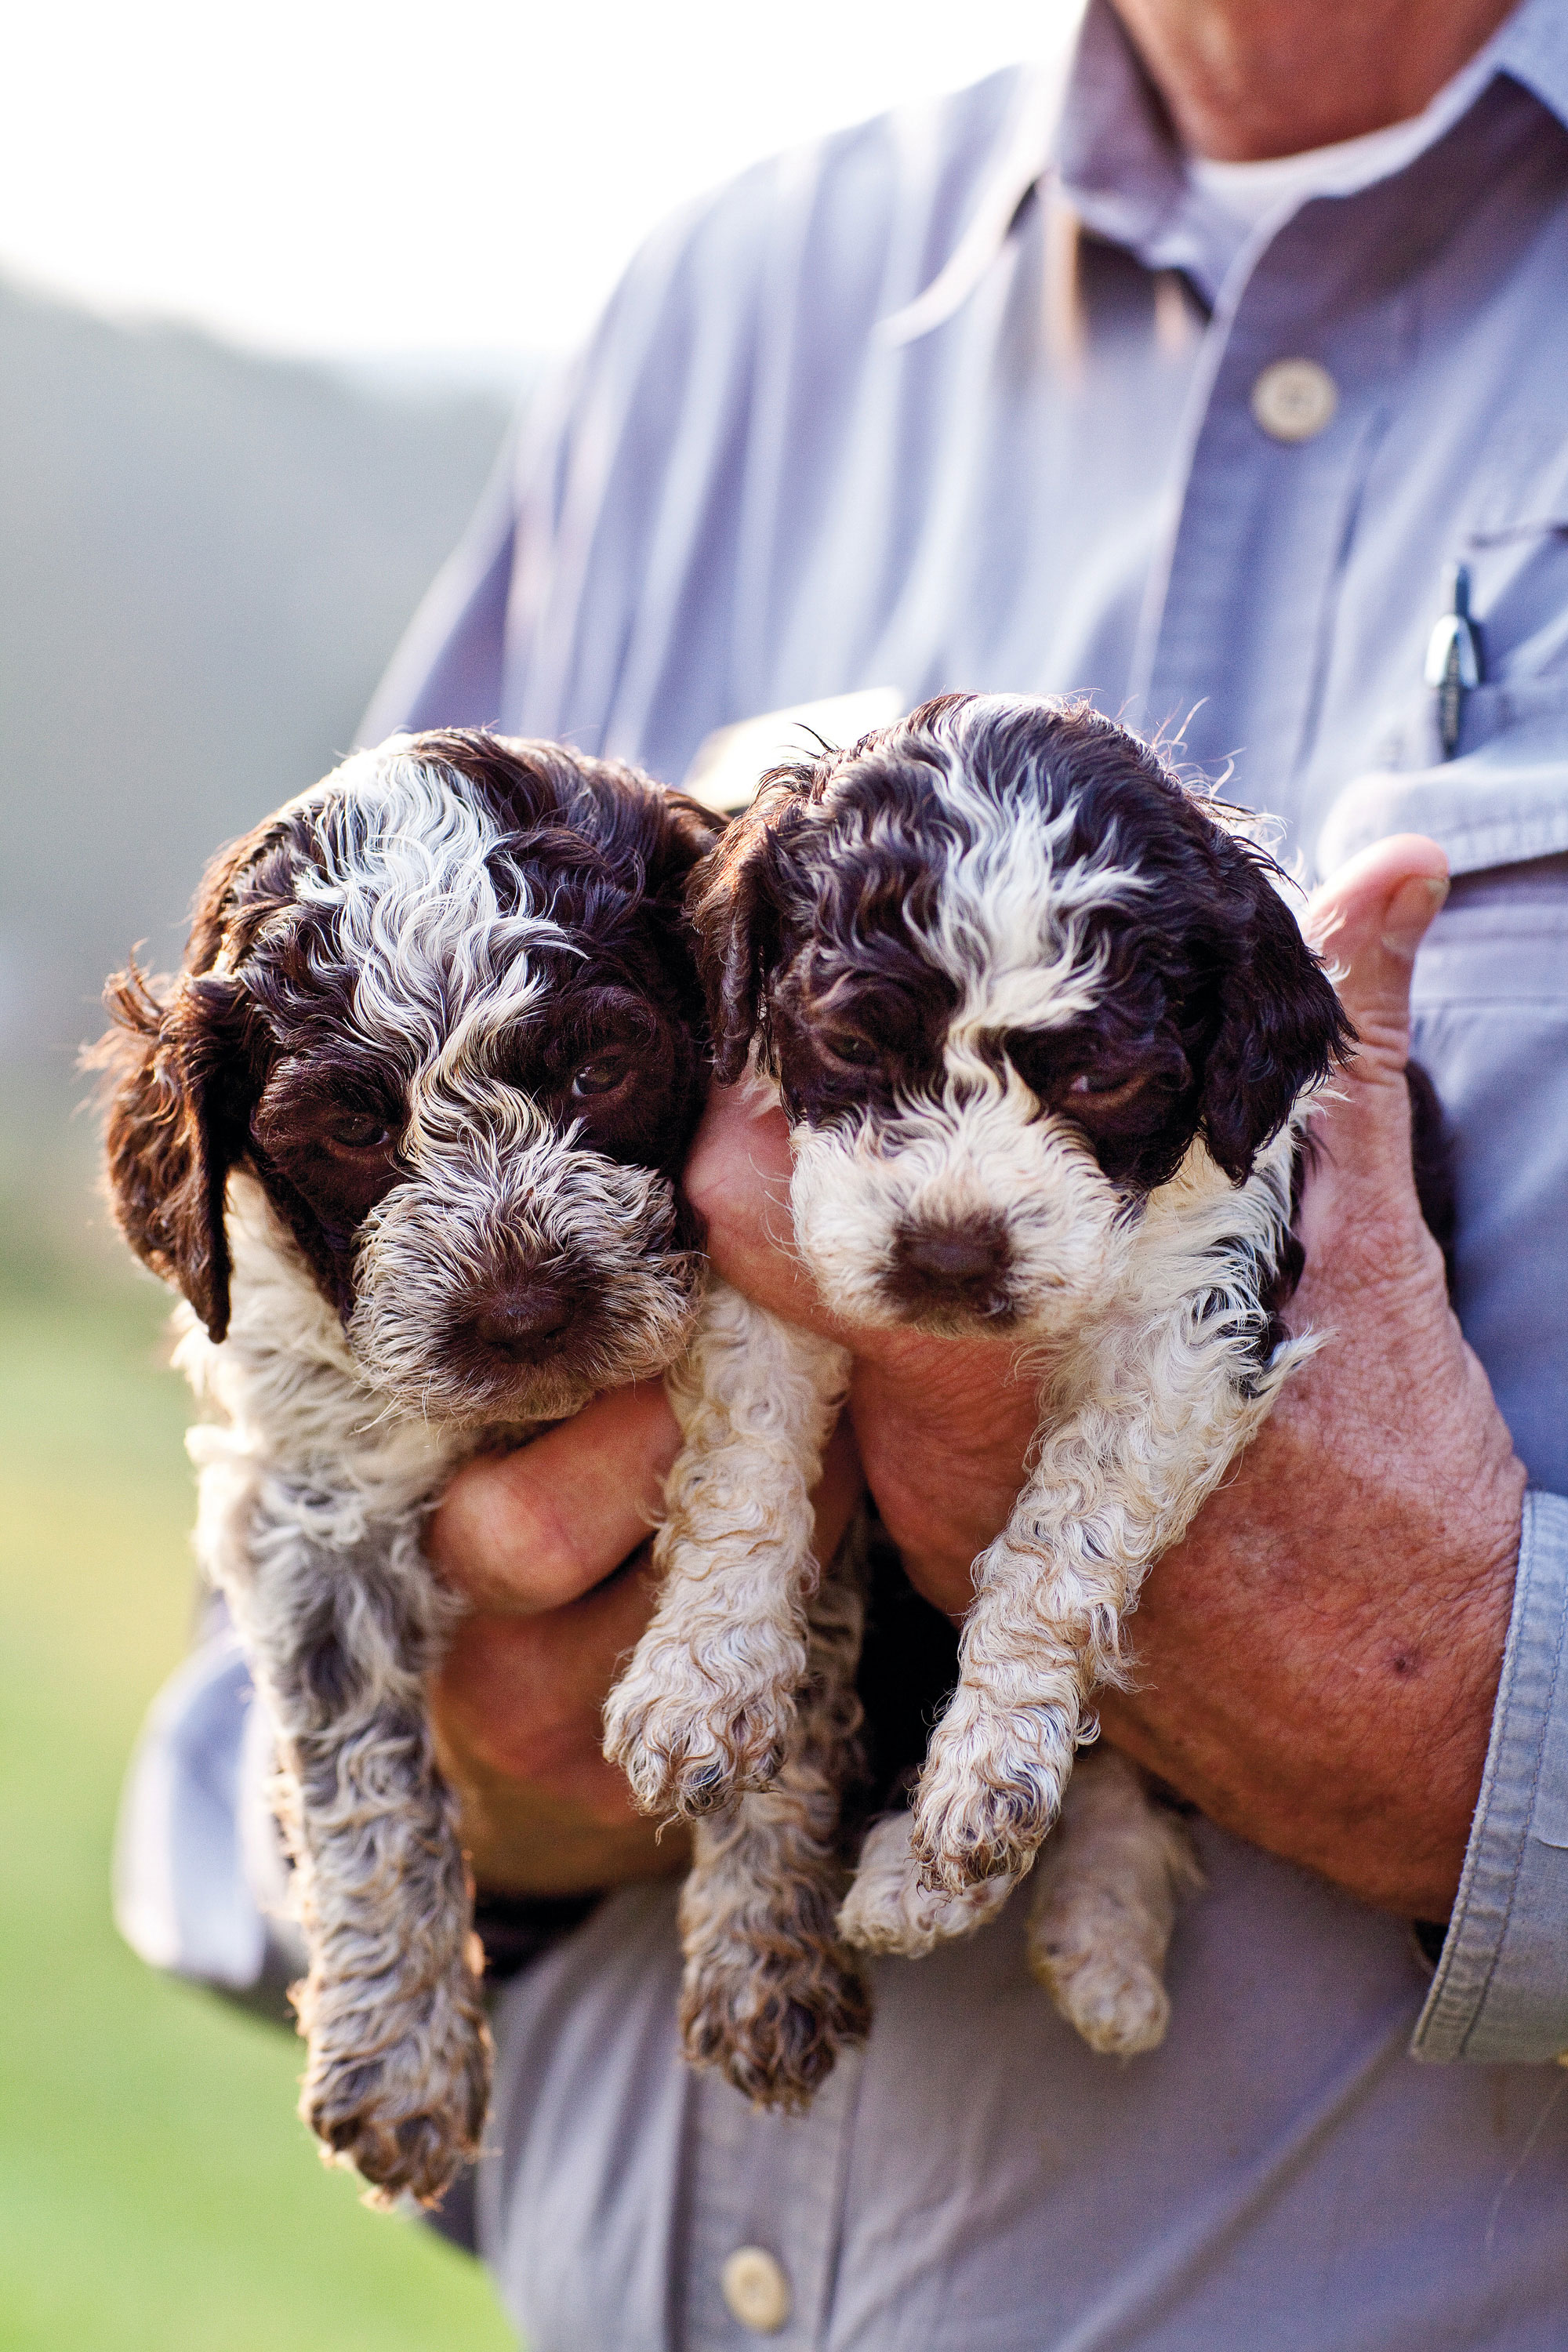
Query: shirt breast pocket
x,y
1490,1006
1516,552
1519,594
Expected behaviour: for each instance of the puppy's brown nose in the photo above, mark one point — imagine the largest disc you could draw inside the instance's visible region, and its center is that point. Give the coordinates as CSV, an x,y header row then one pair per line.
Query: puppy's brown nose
x,y
951,1269
953,1260
524,1319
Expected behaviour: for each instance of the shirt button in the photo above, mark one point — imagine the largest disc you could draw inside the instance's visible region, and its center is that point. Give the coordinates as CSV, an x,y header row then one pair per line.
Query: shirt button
x,y
755,2290
1293,399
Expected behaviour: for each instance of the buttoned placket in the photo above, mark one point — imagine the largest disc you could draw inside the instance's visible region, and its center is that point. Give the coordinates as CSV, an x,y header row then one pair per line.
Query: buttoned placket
x,y
767,2186
1263,514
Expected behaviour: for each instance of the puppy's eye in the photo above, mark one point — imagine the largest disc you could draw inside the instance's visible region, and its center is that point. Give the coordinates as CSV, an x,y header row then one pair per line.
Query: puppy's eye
x,y
1103,1094
359,1131
857,1053
600,1077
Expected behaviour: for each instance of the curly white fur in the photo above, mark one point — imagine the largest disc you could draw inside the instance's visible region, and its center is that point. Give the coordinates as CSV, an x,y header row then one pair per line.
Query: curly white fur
x,y
329,1442
704,1708
887,1909
311,1503
1105,1892
1140,1314
771,1991
1140,1422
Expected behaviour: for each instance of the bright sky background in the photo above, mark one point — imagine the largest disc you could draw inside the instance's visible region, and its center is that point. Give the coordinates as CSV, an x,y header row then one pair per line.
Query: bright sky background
x,y
333,176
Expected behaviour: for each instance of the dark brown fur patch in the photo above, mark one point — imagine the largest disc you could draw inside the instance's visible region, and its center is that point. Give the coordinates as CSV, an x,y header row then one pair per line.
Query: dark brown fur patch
x,y
1213,1013
249,1067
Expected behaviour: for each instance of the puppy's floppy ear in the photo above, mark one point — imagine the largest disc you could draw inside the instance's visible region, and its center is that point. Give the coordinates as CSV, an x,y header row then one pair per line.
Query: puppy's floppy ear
x,y
736,907
176,1126
690,831
1281,1026
181,1095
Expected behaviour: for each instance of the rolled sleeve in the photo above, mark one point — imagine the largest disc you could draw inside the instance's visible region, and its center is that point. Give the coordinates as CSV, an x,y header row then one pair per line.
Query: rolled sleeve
x,y
1501,1994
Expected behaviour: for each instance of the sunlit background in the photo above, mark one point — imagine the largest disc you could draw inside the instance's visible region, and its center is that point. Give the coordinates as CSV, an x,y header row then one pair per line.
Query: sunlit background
x,y
271,283
399,179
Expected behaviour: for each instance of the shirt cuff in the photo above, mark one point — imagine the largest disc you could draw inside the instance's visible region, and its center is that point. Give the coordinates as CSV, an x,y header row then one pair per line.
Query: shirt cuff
x,y
1501,1992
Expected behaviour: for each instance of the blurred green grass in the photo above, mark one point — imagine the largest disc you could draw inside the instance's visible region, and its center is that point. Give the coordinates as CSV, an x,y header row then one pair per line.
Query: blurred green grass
x,y
156,2192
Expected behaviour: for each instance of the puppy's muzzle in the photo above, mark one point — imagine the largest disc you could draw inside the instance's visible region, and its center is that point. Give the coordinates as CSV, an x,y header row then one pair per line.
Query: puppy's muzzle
x,y
958,1268
516,1272
528,1317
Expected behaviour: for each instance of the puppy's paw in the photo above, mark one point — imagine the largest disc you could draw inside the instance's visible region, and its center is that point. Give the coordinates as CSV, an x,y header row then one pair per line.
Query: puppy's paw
x,y
1108,1891
991,1790
1110,1994
769,2002
888,1910
397,2084
688,1740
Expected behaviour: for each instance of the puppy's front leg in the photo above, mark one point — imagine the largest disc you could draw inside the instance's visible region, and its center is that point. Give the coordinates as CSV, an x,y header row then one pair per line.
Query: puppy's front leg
x,y
888,1910
705,1706
1106,1894
770,1995
1107,1889
1117,1482
342,1635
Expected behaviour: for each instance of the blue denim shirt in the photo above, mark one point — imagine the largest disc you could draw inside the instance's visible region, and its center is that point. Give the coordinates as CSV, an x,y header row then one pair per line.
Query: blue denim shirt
x,y
928,406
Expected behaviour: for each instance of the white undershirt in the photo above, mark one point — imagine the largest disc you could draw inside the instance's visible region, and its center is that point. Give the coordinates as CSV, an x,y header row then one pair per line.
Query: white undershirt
x,y
1228,202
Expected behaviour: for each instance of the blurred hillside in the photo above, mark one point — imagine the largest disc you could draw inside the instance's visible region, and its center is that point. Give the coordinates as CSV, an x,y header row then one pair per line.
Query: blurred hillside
x,y
205,559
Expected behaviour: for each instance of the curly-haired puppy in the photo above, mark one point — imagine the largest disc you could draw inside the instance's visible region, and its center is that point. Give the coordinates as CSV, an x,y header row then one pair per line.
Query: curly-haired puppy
x,y
406,1132
1044,1029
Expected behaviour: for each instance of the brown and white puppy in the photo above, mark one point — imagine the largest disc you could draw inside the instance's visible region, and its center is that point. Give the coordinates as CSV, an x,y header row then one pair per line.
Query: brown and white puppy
x,y
407,1131
1046,1031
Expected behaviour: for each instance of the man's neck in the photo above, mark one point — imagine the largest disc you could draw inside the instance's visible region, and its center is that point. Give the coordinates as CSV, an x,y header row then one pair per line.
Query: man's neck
x,y
1243,80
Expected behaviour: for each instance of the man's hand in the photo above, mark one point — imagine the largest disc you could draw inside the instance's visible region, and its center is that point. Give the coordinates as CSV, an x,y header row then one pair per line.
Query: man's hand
x,y
549,1547
1318,1661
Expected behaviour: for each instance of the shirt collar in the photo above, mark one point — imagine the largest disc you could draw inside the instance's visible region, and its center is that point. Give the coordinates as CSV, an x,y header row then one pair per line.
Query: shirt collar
x,y
1533,48
1096,138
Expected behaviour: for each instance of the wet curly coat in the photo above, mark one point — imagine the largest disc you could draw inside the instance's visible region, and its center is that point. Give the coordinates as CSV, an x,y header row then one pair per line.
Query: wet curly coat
x,y
1046,1033
406,1132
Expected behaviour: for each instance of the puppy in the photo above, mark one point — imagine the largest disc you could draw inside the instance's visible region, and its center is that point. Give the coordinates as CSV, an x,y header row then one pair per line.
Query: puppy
x,y
406,1132
1046,1033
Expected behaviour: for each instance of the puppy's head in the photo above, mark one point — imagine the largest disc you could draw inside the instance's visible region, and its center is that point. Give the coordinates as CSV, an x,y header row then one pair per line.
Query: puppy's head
x,y
444,1009
1007,971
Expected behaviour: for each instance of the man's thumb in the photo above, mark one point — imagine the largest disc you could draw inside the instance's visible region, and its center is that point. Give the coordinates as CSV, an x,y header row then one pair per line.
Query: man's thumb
x,y
1367,922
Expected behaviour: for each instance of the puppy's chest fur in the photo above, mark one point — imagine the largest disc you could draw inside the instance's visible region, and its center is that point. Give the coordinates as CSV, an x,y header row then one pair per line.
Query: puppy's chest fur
x,y
288,1398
